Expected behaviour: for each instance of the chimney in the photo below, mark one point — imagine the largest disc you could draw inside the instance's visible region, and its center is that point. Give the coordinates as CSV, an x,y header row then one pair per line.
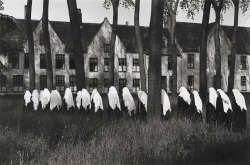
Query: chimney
x,y
127,23
25,11
79,12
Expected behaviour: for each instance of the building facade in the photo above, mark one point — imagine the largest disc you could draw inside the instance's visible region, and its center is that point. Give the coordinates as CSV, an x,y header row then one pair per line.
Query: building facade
x,y
96,39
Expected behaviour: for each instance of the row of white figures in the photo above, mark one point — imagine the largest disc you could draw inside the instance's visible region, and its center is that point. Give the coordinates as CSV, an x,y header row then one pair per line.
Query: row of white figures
x,y
219,107
223,111
84,101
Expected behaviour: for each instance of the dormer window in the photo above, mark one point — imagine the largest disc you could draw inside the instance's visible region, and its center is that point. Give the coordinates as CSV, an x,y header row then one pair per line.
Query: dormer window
x,y
106,48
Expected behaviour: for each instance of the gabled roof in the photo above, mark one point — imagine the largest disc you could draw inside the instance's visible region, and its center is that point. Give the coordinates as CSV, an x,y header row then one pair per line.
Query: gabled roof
x,y
187,35
242,40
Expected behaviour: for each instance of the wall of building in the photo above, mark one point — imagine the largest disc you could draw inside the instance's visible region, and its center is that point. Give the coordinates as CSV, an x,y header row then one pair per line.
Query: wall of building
x,y
96,50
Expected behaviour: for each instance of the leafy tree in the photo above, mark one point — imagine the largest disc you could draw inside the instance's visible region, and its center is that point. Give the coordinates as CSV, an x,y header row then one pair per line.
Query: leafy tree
x,y
140,45
115,5
46,39
155,51
77,44
31,45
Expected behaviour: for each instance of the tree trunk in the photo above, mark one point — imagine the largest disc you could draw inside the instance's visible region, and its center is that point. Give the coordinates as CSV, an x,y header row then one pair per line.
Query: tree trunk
x,y
217,51
115,4
217,9
203,52
154,71
46,38
233,47
203,47
77,44
174,55
31,46
140,46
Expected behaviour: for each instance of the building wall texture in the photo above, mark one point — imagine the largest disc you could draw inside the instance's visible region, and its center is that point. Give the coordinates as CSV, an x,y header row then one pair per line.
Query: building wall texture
x,y
96,50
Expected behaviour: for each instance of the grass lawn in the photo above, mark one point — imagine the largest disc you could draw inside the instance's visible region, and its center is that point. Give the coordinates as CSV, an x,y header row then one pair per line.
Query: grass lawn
x,y
54,138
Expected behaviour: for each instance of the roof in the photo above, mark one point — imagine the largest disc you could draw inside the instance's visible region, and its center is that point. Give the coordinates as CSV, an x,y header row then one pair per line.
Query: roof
x,y
187,35
242,40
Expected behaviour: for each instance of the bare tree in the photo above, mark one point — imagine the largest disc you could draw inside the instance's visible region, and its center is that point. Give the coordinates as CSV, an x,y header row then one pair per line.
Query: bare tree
x,y
140,45
154,70
77,43
31,45
46,39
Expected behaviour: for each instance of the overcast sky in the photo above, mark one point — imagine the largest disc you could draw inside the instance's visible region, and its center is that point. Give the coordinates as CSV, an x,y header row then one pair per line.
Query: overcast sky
x,y
94,12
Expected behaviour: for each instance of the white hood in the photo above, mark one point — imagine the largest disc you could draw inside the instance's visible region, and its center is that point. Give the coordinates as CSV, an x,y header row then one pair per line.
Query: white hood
x,y
85,99
97,99
113,98
165,102
55,99
27,97
198,102
143,97
185,95
239,98
68,97
78,99
213,96
35,99
225,100
128,100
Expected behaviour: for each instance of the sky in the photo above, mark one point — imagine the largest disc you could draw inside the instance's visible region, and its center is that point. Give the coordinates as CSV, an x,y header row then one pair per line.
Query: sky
x,y
94,12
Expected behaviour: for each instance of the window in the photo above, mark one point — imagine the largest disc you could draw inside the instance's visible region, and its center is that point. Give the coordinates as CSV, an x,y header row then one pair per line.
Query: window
x,y
106,48
42,61
229,61
26,60
122,81
243,83
60,83
243,62
60,61
92,84
3,87
136,85
170,63
71,61
41,39
72,83
190,63
93,65
170,83
18,83
106,85
106,64
43,82
136,66
122,65
163,44
190,83
13,60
